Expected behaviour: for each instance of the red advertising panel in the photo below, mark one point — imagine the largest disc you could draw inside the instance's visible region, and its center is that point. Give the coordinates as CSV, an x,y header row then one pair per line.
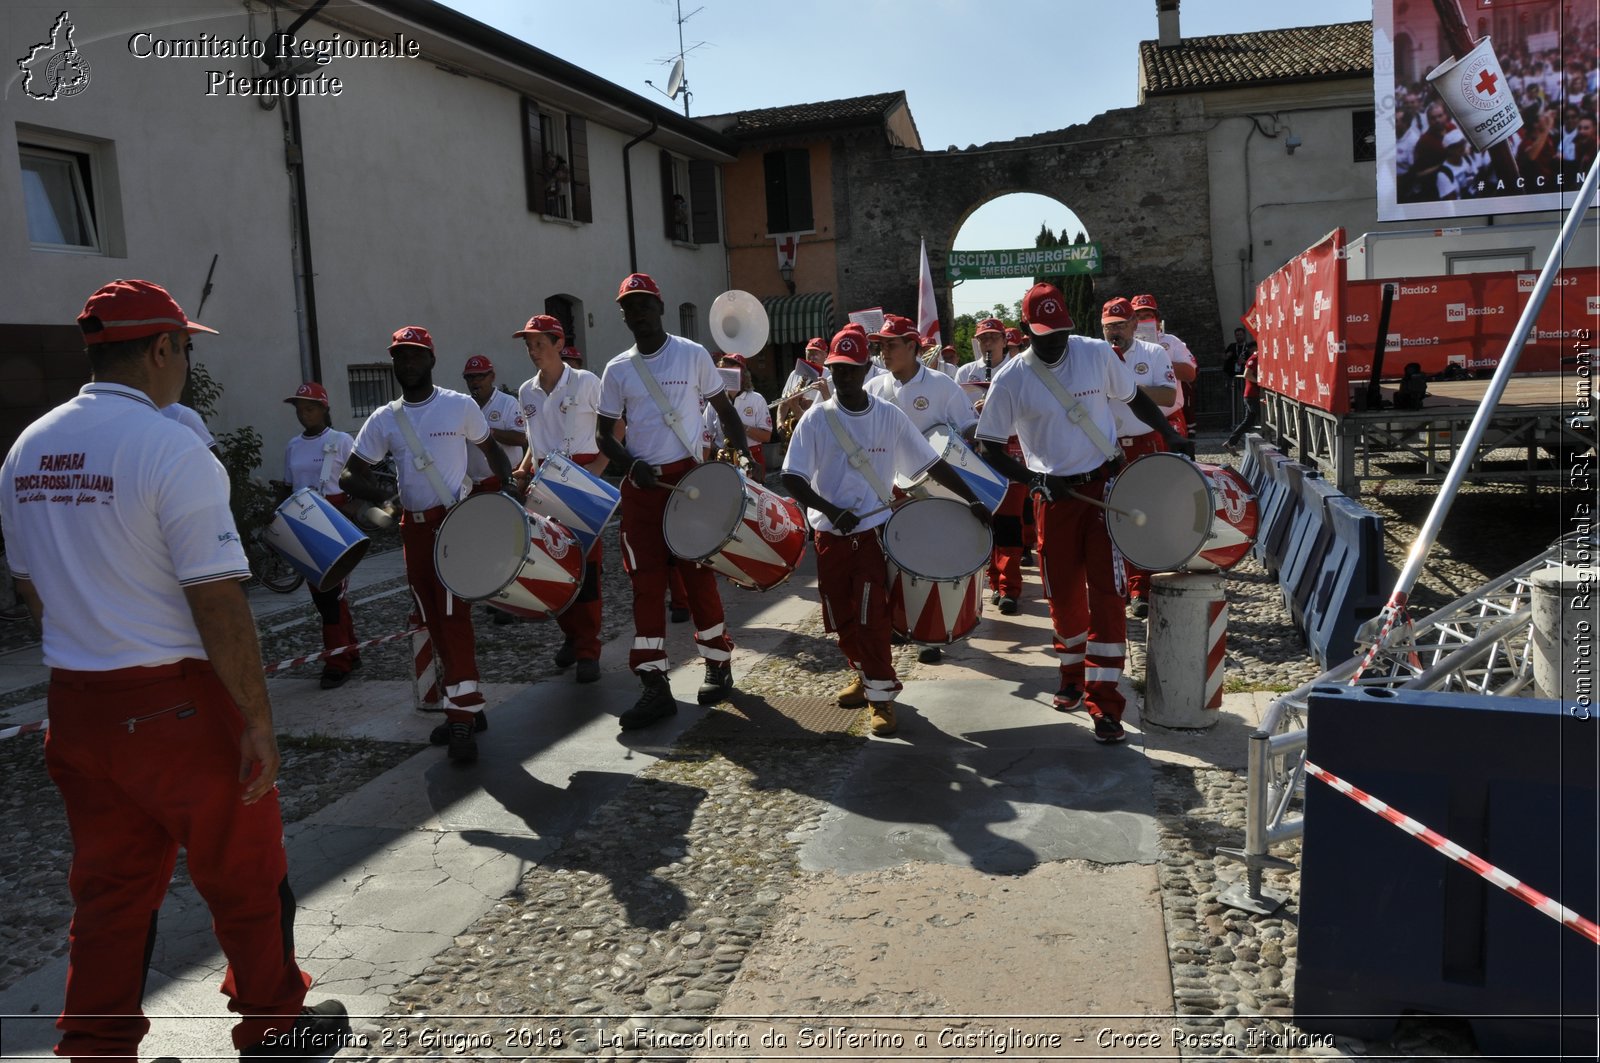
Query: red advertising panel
x,y
1297,321
1465,321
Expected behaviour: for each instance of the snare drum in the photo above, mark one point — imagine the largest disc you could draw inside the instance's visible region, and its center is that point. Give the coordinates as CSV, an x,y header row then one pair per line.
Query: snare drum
x,y
1199,517
574,497
314,537
935,549
988,485
735,526
490,549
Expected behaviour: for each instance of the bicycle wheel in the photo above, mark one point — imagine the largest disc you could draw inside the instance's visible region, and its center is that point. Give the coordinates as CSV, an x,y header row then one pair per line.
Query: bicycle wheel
x,y
271,569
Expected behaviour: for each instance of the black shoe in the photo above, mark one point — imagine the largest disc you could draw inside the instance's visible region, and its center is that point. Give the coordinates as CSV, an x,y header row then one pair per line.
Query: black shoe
x,y
502,618
930,655
1008,606
994,598
680,615
1139,609
566,655
588,671
1108,731
1069,698
319,1031
332,679
463,742
718,683
440,736
656,703
1027,557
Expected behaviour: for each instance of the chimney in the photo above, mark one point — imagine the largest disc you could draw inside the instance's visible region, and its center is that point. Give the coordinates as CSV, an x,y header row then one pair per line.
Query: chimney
x,y
1168,35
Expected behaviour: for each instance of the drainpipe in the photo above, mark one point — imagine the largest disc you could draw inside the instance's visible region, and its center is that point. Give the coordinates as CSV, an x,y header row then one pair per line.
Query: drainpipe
x,y
627,194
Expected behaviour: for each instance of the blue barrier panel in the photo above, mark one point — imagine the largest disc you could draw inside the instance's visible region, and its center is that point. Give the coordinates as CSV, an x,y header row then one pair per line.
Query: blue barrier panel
x,y
1302,591
1269,495
1351,586
1306,545
1276,538
1388,925
1251,466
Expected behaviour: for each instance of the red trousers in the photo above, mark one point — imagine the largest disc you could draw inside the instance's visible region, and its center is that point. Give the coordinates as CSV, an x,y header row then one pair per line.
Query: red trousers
x,y
646,559
853,580
1179,420
1137,447
447,618
580,621
1005,562
338,627
147,760
1086,612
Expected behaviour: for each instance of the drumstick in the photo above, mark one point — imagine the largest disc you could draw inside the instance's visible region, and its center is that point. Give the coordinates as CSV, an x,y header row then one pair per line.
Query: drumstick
x,y
1135,515
691,491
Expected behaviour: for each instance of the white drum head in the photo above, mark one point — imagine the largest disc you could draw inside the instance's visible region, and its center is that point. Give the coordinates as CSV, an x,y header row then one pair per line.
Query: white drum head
x,y
937,538
696,528
481,546
1176,501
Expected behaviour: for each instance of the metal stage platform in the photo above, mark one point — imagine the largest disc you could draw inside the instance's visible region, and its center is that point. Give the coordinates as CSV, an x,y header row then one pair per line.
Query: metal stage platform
x,y
1536,427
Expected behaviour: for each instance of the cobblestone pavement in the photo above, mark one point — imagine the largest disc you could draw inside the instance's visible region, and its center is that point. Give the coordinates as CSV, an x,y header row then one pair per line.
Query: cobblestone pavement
x,y
647,912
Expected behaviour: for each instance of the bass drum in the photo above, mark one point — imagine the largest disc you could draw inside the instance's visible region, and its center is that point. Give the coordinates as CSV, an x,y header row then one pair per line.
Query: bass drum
x,y
735,526
490,549
1199,517
936,550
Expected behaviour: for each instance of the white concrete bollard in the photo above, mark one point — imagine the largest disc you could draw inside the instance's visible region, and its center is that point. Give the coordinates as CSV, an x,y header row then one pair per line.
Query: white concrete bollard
x,y
1188,630
1564,632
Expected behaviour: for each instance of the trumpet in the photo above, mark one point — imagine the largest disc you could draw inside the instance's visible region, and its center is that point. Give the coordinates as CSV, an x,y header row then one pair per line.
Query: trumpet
x,y
733,457
795,394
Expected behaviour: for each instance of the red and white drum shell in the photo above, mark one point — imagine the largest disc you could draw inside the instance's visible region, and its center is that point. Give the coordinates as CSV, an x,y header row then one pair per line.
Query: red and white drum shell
x,y
1198,517
735,526
936,551
490,549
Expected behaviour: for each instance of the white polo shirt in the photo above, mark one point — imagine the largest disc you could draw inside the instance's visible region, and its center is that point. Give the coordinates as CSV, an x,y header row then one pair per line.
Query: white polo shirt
x,y
802,374
1021,405
1150,368
562,420
892,445
1178,353
111,509
501,411
929,398
190,420
753,413
303,460
973,372
446,423
687,376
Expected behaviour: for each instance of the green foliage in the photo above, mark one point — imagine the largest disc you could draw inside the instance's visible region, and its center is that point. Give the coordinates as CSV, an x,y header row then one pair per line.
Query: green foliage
x,y
251,500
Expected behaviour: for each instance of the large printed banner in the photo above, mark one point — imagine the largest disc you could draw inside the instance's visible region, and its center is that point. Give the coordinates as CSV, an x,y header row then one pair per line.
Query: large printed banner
x,y
1465,321
1483,106
1297,321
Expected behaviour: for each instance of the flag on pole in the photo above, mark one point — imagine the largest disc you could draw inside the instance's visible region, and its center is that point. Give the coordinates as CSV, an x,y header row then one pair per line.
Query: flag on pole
x,y
927,307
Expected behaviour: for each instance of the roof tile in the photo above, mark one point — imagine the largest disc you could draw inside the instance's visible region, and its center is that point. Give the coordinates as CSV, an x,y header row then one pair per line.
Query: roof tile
x,y
1239,60
774,120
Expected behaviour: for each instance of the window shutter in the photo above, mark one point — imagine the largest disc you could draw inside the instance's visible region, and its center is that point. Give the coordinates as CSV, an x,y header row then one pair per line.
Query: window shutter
x,y
532,155
578,164
703,200
777,201
798,167
666,194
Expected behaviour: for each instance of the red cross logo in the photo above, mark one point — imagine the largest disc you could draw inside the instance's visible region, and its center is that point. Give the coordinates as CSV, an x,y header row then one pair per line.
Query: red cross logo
x,y
1486,83
787,247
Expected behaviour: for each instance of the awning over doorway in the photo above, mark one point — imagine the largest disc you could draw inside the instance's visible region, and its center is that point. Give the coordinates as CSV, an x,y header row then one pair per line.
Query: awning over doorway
x,y
796,318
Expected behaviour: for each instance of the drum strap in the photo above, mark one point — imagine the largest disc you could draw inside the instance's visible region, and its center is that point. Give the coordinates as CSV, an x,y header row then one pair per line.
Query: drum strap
x,y
330,465
858,457
1075,410
668,414
420,458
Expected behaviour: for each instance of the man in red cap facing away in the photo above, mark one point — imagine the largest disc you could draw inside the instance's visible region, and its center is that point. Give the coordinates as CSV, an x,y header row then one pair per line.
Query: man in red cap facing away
x,y
1068,457
429,431
658,385
559,403
844,509
506,427
161,735
1149,327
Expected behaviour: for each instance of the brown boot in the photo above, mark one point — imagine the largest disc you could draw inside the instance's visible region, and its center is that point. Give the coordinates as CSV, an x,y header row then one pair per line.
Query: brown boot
x,y
853,696
883,723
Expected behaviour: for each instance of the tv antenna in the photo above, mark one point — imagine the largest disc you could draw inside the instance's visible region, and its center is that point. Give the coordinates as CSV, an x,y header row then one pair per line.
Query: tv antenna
x,y
677,83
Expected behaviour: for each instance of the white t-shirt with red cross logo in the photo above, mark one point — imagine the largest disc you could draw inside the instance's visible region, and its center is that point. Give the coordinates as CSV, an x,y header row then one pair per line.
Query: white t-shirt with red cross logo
x,y
930,398
687,376
304,460
501,411
562,420
753,413
1150,368
446,423
891,442
1020,404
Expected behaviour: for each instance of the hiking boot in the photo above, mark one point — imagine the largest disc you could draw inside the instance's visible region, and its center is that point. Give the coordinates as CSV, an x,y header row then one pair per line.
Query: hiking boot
x,y
567,655
463,741
718,683
440,736
883,723
1069,698
588,671
1108,731
1008,606
854,695
1139,608
930,655
318,1031
656,703
333,679
680,615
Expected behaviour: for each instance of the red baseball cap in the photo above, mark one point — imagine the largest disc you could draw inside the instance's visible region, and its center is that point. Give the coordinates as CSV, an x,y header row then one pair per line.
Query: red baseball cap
x,y
856,327
990,324
818,344
132,310
541,323
894,327
739,358
1118,309
849,347
634,283
411,336
477,365
1015,338
1044,311
1145,302
948,351
571,354
310,390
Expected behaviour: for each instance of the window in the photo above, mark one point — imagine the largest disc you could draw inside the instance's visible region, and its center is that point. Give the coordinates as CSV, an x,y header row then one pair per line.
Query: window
x,y
1363,136
688,321
58,198
689,199
555,159
789,191
371,386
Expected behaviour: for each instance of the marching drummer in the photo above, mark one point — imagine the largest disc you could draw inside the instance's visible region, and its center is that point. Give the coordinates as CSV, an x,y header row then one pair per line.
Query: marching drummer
x,y
658,385
314,459
1005,563
753,414
1149,326
822,469
1153,373
429,432
1068,456
559,404
506,426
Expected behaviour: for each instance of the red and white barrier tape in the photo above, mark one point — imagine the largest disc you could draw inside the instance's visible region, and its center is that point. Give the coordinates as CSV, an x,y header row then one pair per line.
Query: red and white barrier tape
x,y
1471,861
25,729
1216,651
295,662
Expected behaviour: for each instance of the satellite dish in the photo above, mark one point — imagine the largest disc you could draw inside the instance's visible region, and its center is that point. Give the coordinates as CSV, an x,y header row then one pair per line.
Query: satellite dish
x,y
675,79
739,323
